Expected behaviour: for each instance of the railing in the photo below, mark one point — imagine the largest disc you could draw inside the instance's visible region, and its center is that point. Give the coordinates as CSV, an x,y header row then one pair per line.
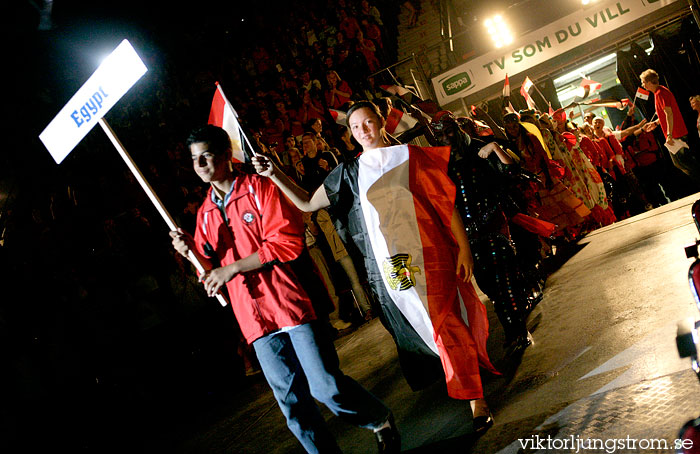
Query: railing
x,y
418,69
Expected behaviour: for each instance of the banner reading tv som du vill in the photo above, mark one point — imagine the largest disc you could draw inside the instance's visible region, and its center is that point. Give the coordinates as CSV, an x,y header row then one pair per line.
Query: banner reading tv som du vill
x,y
541,45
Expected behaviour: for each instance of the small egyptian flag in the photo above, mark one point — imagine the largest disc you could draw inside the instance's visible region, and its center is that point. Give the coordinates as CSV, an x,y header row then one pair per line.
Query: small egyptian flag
x,y
338,116
507,105
224,116
400,91
642,94
399,122
591,86
506,88
525,92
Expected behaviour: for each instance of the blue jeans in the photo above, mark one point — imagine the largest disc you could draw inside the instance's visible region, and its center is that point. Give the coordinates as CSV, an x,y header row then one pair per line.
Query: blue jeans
x,y
302,364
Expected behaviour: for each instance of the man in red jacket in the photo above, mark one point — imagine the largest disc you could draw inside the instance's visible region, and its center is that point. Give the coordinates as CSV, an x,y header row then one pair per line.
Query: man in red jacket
x,y
672,124
256,236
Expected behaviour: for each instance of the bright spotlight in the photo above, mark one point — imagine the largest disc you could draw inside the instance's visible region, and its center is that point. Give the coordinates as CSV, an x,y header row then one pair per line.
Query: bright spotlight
x,y
499,30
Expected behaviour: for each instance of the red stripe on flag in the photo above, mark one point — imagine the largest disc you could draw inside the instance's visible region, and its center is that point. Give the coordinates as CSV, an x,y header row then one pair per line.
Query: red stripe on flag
x,y
506,88
338,116
216,114
222,115
398,122
434,197
592,84
393,121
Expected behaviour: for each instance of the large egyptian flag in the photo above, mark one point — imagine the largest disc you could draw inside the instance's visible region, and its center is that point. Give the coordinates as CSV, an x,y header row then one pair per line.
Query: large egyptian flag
x,y
224,116
407,201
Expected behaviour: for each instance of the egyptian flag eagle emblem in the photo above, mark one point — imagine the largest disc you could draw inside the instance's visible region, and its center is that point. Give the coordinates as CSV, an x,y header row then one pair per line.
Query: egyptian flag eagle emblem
x,y
399,273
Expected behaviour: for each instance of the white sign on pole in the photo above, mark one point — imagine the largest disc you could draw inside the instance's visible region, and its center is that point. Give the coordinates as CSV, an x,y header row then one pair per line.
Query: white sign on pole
x,y
110,81
541,45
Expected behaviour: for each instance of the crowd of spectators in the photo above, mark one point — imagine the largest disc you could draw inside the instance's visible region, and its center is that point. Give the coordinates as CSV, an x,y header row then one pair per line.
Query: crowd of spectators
x,y
325,60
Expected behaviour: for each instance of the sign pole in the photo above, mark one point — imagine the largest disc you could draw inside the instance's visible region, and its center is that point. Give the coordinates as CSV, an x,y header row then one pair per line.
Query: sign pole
x,y
151,195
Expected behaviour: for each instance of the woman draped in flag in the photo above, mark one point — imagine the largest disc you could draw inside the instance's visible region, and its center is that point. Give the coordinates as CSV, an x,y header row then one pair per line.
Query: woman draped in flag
x,y
398,205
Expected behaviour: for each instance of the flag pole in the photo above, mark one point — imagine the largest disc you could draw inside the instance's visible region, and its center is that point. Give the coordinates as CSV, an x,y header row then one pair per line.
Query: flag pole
x,y
152,195
245,136
581,112
546,101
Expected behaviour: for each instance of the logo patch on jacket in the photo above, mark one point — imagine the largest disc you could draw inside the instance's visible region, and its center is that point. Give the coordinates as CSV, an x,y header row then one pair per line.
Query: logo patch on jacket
x,y
248,217
399,273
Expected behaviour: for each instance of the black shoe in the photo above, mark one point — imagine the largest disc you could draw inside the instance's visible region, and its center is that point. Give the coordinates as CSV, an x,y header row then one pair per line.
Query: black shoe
x,y
534,299
519,344
388,439
482,423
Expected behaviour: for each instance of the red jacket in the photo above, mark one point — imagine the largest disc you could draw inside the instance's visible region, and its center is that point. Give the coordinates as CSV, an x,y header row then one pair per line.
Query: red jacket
x,y
664,98
260,220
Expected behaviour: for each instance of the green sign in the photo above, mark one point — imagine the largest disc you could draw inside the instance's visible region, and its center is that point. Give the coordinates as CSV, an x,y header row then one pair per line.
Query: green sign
x,y
456,83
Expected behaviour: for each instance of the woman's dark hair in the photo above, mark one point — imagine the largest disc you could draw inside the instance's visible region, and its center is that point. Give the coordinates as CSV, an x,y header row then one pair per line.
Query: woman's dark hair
x,y
217,139
511,118
309,123
359,105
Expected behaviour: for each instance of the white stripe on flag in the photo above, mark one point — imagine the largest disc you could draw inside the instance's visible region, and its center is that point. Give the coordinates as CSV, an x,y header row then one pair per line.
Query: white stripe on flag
x,y
221,108
339,116
526,86
383,181
399,121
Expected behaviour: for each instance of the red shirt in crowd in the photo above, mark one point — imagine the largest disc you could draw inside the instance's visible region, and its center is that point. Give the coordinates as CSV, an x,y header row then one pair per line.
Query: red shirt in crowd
x,y
334,100
664,98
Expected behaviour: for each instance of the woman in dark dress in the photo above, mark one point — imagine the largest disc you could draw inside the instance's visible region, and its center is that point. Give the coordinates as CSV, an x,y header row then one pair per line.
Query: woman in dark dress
x,y
460,348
